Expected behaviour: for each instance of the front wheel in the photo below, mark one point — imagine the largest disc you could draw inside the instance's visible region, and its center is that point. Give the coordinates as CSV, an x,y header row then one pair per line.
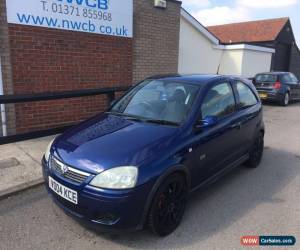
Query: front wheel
x,y
256,152
168,205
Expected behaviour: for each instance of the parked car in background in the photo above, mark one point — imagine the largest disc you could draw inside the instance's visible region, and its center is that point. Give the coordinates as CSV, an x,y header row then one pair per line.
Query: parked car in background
x,y
282,87
168,136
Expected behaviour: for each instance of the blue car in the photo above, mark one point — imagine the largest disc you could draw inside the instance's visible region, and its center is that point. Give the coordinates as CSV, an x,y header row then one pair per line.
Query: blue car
x,y
134,165
280,87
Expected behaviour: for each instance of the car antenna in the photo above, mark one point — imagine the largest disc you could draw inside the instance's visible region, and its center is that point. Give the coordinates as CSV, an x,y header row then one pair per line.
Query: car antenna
x,y
221,59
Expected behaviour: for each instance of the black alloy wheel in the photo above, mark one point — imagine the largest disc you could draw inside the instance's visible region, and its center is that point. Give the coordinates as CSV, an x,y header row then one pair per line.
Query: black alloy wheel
x,y
256,152
168,205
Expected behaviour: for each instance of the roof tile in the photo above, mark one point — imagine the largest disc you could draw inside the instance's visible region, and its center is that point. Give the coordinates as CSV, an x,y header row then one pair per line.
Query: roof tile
x,y
254,31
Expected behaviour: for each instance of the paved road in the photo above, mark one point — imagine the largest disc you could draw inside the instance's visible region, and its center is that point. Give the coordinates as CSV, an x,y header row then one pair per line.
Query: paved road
x,y
264,201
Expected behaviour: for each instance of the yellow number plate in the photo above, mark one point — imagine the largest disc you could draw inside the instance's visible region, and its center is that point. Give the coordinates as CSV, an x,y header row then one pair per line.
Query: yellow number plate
x,y
263,96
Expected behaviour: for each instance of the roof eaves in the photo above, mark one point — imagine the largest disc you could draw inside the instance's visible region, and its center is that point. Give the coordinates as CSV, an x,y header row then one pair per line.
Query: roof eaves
x,y
245,47
287,21
253,21
247,42
196,24
297,48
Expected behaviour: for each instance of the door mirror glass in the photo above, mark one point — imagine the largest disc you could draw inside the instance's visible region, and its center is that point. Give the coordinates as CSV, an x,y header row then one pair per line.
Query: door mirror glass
x,y
208,121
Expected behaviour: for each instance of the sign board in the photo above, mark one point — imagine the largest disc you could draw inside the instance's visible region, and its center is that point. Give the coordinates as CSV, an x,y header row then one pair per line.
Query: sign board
x,y
107,17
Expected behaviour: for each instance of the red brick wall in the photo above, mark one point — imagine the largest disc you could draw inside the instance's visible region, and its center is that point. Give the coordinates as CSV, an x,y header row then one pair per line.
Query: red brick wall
x,y
54,60
156,39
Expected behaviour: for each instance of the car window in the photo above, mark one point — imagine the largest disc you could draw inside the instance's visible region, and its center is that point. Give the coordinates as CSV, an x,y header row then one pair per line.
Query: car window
x,y
293,78
158,100
286,78
219,101
266,78
246,96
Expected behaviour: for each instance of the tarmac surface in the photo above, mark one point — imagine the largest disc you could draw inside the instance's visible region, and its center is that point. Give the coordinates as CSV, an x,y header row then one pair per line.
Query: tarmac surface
x,y
263,201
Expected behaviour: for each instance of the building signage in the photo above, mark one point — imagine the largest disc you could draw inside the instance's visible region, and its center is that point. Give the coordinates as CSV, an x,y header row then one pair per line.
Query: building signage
x,y
108,17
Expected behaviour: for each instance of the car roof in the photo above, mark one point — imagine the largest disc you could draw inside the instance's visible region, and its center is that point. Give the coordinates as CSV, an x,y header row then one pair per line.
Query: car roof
x,y
274,73
193,78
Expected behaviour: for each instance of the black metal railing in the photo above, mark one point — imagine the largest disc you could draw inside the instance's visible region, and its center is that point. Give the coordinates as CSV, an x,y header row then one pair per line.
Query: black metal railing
x,y
13,99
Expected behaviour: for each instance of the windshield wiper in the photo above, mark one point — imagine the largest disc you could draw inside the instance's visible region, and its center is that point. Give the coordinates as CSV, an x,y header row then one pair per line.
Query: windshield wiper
x,y
163,122
127,116
142,119
114,113
118,113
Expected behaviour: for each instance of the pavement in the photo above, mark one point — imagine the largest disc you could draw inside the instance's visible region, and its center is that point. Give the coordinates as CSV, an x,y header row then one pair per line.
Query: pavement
x,y
20,165
262,201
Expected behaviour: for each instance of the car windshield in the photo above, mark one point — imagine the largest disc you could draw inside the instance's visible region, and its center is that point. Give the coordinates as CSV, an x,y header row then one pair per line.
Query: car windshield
x,y
157,101
266,78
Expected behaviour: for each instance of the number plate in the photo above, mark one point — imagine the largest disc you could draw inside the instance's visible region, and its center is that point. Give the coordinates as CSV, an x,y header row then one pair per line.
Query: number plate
x,y
263,96
63,191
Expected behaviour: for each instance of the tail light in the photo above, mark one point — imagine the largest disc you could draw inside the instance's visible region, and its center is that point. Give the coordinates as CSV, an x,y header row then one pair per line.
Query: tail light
x,y
277,85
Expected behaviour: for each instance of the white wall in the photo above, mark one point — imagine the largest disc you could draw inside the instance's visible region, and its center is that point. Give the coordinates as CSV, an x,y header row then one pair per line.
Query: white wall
x,y
196,53
244,62
232,62
256,62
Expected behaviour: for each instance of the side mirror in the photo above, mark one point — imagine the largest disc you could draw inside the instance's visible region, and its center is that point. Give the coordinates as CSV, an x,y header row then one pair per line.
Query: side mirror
x,y
208,121
254,81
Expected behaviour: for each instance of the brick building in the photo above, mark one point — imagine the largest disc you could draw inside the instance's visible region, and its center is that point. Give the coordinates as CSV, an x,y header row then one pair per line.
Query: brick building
x,y
37,59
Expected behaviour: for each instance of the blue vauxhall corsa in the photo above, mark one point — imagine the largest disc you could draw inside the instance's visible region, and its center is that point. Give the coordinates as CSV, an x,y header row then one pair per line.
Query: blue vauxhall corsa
x,y
135,164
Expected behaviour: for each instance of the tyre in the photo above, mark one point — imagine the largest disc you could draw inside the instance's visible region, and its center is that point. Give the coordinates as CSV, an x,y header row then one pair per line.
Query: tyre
x,y
168,205
256,152
285,100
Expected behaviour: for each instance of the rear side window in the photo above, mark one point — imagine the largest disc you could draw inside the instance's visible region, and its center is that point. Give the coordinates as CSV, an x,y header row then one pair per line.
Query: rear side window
x,y
294,78
266,78
219,101
246,96
286,78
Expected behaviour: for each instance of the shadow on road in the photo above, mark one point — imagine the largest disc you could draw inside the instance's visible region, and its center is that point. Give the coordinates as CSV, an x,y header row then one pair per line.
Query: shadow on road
x,y
33,219
276,104
223,203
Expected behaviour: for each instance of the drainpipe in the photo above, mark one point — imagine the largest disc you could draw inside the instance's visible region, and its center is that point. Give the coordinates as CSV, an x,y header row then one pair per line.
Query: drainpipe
x,y
2,106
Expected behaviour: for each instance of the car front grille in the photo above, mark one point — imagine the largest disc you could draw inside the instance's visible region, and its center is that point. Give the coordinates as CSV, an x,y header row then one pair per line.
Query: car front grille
x,y
68,172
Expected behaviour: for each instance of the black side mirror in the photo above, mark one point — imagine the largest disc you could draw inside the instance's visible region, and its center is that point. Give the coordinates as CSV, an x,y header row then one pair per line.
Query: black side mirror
x,y
254,81
207,122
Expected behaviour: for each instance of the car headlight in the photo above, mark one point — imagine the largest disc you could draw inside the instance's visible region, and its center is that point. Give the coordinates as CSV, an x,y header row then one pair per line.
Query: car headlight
x,y
47,153
116,178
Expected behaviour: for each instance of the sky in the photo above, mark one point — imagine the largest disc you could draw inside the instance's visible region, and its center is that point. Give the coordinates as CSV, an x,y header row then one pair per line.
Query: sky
x,y
214,12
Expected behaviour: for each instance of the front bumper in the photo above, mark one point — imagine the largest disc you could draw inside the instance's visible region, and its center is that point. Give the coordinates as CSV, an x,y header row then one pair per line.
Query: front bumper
x,y
108,209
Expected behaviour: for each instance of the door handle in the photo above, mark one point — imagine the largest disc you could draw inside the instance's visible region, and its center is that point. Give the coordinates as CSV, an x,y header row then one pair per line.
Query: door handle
x,y
237,125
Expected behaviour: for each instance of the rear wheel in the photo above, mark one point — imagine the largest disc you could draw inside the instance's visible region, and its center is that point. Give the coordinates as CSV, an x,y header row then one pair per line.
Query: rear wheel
x,y
256,152
168,205
286,99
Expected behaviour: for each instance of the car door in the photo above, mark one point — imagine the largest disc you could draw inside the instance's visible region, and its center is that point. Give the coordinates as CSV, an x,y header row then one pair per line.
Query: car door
x,y
296,83
287,80
217,146
247,115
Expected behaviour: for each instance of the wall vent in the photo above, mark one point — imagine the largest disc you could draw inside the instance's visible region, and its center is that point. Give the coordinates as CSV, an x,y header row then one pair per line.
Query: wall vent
x,y
160,4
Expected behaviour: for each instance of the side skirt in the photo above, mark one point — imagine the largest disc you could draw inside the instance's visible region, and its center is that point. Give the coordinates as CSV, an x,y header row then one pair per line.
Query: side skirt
x,y
221,173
